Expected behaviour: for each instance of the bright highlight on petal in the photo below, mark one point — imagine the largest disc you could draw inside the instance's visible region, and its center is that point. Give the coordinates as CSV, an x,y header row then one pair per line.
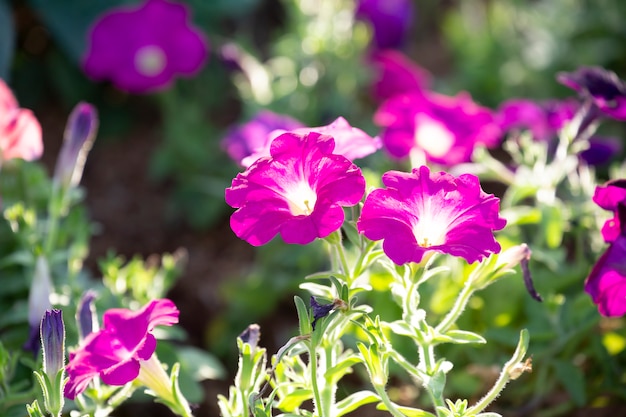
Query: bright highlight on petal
x,y
301,199
150,60
422,211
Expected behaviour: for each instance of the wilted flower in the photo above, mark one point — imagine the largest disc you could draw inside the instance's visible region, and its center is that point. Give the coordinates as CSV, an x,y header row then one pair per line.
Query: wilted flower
x,y
396,74
299,191
423,211
122,350
141,48
250,141
20,132
609,196
544,120
390,20
606,283
445,129
601,87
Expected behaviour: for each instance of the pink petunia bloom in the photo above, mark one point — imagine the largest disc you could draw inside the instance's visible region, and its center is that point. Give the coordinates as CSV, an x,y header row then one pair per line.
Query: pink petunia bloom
x,y
601,87
298,191
20,132
141,48
606,283
544,120
445,129
423,211
609,196
122,350
396,74
248,142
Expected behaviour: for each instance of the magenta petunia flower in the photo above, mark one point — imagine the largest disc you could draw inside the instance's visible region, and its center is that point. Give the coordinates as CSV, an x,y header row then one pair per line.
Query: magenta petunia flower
x,y
248,142
298,191
602,87
117,352
390,20
544,120
141,48
609,196
606,283
20,132
445,129
396,74
423,211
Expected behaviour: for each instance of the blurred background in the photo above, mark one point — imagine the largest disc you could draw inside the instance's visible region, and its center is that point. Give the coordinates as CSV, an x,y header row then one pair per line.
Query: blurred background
x,y
154,181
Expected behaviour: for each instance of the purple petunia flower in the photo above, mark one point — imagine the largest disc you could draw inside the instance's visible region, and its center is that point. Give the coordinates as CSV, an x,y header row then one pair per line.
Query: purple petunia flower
x,y
396,74
606,283
445,129
250,141
601,150
609,196
390,20
141,48
117,352
544,120
423,211
600,86
298,191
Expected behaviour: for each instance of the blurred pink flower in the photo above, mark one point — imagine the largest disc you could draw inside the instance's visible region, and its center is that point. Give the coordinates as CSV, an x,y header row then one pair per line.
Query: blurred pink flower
x,y
396,74
543,119
117,352
445,129
248,142
423,211
390,20
20,132
298,191
141,48
609,196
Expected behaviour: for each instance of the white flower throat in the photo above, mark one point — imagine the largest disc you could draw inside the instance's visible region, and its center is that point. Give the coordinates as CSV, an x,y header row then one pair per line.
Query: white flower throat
x,y
301,199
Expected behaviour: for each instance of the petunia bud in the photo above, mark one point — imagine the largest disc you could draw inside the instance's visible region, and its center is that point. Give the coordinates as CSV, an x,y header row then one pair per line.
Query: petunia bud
x,y
53,342
86,315
79,135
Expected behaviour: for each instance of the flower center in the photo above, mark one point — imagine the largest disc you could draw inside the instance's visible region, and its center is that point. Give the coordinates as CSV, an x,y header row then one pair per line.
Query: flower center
x,y
432,136
432,226
150,60
301,199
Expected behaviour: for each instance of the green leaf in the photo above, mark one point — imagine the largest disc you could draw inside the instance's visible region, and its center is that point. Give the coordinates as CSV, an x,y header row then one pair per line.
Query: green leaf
x,y
573,380
7,39
407,411
294,399
200,364
303,316
334,374
462,336
354,401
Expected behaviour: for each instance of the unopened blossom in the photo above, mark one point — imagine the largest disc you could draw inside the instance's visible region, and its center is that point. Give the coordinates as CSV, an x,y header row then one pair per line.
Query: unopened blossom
x,y
141,48
248,142
603,88
391,20
445,129
543,119
425,211
20,132
395,73
121,349
609,196
351,142
606,283
299,191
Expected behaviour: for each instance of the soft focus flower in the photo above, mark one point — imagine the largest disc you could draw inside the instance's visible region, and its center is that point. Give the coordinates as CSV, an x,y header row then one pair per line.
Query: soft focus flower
x,y
390,20
250,141
78,137
351,142
118,351
602,87
445,129
86,315
544,120
38,301
609,196
423,211
606,283
141,48
299,191
20,132
601,150
394,74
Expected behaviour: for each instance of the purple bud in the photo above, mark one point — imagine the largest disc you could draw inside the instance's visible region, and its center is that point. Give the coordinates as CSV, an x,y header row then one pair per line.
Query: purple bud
x,y
86,315
79,135
251,335
52,333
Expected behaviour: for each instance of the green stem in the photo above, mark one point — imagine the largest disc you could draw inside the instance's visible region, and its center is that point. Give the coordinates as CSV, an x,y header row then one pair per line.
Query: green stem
x,y
391,407
319,406
427,358
457,309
